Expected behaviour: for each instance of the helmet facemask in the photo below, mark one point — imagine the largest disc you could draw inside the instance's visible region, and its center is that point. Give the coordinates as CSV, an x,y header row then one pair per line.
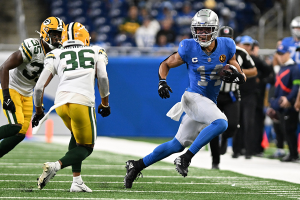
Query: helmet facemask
x,y
56,36
204,27
51,29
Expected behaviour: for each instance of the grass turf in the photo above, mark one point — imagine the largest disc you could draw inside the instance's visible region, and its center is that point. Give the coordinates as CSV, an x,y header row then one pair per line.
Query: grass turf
x,y
103,172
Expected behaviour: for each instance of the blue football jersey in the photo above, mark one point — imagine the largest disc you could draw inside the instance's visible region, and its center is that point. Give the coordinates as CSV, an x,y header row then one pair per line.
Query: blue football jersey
x,y
202,69
295,55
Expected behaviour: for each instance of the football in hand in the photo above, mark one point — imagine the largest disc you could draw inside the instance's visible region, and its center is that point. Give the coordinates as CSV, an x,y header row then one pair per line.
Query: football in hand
x,y
223,69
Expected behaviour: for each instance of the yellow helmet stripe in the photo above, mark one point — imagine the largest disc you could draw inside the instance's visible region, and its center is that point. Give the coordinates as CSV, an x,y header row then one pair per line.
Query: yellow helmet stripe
x,y
26,51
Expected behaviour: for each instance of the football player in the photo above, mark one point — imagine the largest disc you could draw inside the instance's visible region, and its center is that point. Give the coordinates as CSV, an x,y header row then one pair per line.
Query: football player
x,y
19,74
293,42
204,56
76,65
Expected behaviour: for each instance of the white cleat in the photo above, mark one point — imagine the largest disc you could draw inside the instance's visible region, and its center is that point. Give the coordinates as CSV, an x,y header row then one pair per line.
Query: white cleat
x,y
75,187
48,173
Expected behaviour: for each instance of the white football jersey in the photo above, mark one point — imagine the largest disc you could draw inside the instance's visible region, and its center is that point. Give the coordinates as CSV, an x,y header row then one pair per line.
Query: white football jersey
x,y
75,67
24,77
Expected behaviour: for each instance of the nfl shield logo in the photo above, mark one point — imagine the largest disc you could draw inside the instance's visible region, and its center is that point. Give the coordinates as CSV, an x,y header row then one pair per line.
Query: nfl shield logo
x,y
208,59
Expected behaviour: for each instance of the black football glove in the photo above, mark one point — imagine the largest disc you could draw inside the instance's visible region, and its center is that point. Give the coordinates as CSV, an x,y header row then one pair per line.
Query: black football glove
x,y
163,89
8,104
104,111
36,119
234,76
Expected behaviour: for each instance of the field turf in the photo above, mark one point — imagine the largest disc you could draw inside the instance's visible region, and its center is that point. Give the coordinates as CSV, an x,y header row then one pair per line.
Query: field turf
x,y
104,172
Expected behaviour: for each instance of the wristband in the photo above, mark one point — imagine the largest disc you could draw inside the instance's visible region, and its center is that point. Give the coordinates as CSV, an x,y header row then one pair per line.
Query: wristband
x,y
104,105
6,93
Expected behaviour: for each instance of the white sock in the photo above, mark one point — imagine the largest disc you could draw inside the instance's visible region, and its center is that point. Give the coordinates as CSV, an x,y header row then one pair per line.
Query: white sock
x,y
77,179
57,166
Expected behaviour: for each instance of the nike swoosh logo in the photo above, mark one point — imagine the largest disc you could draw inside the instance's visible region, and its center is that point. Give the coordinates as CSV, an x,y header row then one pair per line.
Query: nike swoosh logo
x,y
8,102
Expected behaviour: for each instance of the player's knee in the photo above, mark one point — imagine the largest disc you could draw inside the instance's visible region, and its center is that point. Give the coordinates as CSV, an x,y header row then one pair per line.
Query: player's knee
x,y
221,125
176,145
15,128
89,149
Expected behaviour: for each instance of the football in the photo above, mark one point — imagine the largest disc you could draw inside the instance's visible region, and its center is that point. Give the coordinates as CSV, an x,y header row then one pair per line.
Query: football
x,y
225,68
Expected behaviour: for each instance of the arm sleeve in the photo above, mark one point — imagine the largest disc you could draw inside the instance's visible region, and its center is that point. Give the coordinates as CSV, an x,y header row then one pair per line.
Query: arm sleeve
x,y
103,84
39,87
49,63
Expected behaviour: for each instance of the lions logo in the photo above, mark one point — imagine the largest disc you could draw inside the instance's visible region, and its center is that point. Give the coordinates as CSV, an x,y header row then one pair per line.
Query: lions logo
x,y
47,22
222,58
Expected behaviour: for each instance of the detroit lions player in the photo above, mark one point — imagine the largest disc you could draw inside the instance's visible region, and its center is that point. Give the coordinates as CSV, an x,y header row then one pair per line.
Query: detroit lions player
x,y
19,74
204,56
294,40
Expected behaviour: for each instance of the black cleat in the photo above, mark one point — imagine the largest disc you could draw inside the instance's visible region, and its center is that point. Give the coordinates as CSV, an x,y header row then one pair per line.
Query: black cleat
x,y
215,166
182,164
131,174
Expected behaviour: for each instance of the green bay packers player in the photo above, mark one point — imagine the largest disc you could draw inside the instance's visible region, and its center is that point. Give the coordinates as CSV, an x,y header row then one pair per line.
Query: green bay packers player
x,y
76,65
19,74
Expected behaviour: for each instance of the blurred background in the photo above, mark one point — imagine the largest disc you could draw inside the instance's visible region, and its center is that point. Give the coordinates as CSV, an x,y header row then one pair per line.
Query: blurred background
x,y
138,35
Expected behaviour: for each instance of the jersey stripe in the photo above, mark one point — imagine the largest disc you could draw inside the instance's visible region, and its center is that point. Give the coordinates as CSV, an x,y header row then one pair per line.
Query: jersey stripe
x,y
26,51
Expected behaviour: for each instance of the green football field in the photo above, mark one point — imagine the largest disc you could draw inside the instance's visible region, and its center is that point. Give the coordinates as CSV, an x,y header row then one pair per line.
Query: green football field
x,y
103,172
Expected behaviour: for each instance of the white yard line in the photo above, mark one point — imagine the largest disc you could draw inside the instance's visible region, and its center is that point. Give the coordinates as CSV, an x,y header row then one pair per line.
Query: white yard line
x,y
258,167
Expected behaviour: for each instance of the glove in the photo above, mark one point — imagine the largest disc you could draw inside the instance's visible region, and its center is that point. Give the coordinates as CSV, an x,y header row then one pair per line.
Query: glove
x,y
8,104
234,76
163,89
103,110
36,119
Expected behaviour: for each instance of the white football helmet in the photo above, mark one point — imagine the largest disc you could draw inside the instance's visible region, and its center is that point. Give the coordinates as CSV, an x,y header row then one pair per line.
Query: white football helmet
x,y
295,27
205,18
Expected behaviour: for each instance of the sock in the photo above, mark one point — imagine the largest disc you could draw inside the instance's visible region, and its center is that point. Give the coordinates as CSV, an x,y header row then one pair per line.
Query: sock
x,y
163,151
78,179
72,144
208,133
57,166
189,155
9,130
9,143
75,156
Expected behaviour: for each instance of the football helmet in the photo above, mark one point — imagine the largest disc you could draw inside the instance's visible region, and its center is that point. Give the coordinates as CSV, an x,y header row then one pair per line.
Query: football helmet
x,y
51,24
205,19
295,27
75,34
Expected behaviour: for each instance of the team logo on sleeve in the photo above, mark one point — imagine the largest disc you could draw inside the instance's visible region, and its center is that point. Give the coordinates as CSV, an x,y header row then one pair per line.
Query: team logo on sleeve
x,y
222,58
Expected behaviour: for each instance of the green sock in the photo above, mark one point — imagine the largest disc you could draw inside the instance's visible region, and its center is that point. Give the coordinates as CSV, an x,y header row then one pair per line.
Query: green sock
x,y
75,156
9,143
72,144
9,130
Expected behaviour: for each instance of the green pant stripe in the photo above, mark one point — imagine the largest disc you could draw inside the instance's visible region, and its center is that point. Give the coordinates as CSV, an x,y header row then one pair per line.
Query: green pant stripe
x,y
15,118
8,116
92,123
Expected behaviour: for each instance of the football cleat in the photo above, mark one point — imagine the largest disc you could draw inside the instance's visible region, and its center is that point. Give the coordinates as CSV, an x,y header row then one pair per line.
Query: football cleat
x,y
131,173
182,164
49,171
75,187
